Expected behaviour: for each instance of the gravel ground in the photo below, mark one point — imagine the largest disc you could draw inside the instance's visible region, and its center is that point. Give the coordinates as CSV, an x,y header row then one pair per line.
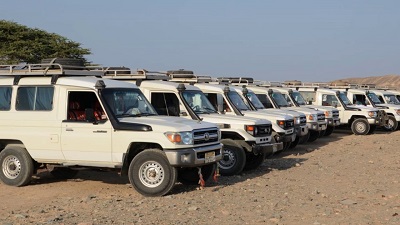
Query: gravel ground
x,y
340,179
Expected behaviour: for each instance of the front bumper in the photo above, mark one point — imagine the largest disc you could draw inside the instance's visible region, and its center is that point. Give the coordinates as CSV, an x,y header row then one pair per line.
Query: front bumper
x,y
301,130
333,122
194,157
286,137
318,126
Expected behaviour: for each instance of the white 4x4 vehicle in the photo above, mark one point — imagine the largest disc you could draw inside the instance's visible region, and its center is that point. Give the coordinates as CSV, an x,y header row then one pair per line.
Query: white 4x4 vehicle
x,y
60,117
361,119
246,141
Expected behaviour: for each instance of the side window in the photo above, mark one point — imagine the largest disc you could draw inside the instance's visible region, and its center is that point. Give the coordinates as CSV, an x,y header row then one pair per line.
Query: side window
x,y
213,99
79,102
381,99
265,101
35,98
165,103
5,98
359,100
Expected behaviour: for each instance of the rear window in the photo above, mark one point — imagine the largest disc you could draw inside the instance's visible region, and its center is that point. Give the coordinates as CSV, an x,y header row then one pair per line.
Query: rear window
x,y
35,98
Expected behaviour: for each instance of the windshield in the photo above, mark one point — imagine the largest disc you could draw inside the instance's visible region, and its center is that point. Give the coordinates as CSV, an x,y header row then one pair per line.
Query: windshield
x,y
126,102
344,99
254,99
237,101
374,98
279,99
198,102
298,98
391,99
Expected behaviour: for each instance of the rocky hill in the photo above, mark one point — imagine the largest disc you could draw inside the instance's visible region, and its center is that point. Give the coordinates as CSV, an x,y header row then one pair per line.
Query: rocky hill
x,y
391,81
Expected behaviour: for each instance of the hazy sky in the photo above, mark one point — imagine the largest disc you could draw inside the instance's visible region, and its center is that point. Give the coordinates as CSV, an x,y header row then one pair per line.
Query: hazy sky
x,y
310,40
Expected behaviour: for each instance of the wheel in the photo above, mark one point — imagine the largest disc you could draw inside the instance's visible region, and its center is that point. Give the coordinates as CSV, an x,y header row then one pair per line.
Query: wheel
x,y
151,174
304,139
253,161
294,143
62,172
372,129
190,175
329,130
314,135
16,166
286,145
392,124
360,126
233,158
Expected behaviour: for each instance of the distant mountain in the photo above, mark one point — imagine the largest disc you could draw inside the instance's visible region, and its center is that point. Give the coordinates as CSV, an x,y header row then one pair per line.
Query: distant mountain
x,y
390,81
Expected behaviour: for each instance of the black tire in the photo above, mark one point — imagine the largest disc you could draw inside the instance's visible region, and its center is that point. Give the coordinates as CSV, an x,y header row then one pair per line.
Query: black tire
x,y
392,124
304,139
62,172
294,143
151,174
16,166
233,158
254,161
314,135
65,61
329,130
372,129
286,145
190,175
360,126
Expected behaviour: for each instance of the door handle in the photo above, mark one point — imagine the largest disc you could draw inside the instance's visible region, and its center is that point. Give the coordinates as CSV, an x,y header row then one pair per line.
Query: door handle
x,y
99,131
69,129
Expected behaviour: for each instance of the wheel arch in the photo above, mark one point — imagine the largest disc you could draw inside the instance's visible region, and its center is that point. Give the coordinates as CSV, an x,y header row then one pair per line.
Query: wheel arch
x,y
134,149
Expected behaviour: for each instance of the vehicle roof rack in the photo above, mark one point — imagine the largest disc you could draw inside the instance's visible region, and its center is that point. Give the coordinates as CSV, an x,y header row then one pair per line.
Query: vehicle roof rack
x,y
334,85
124,73
235,80
55,70
268,83
187,76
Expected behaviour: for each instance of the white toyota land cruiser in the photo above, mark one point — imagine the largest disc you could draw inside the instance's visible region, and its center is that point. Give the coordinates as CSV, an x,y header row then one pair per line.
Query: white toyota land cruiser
x,y
59,117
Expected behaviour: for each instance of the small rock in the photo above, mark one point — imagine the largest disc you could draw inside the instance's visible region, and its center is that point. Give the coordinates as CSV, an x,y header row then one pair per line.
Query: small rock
x,y
348,202
193,208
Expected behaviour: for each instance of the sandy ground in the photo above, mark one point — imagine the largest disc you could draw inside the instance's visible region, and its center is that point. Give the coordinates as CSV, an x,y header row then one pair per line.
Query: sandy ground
x,y
340,179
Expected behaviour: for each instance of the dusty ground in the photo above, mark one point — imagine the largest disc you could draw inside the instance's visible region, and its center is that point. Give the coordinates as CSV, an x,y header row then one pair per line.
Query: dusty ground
x,y
341,179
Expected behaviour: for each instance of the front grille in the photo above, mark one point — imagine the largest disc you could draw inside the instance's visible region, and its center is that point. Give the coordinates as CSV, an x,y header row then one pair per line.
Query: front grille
x,y
303,120
205,136
289,124
335,114
321,117
264,130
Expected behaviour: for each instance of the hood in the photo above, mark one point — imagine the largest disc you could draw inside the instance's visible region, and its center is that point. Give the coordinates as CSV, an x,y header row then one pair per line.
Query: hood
x,y
231,119
390,106
306,111
320,107
169,123
264,114
362,107
284,112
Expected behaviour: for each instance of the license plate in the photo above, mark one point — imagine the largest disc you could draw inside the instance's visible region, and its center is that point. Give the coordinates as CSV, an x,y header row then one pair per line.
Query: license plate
x,y
209,157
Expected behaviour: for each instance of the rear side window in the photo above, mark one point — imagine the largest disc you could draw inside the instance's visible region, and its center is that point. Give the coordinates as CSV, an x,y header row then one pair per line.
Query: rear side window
x,y
5,98
35,98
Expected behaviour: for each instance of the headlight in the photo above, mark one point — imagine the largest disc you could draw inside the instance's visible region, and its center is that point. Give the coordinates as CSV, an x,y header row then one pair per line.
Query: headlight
x,y
372,114
398,111
251,129
328,114
281,123
312,117
185,138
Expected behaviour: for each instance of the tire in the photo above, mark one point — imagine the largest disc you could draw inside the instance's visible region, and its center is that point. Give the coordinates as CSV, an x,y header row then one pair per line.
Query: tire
x,y
360,126
190,175
233,158
372,129
322,133
314,135
254,161
151,174
62,172
392,124
65,61
294,143
304,139
286,145
16,166
329,130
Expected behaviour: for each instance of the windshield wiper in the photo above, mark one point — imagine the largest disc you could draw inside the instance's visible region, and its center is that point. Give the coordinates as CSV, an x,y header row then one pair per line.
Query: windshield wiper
x,y
210,110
